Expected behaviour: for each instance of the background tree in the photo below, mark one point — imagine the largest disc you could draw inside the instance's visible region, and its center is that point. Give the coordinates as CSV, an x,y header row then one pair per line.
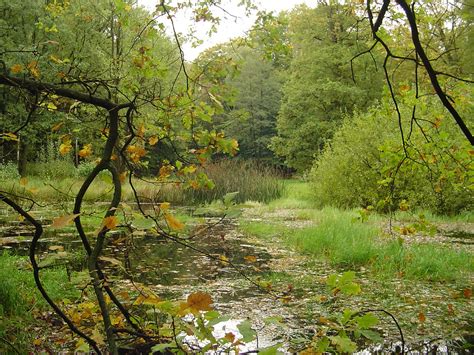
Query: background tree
x,y
320,88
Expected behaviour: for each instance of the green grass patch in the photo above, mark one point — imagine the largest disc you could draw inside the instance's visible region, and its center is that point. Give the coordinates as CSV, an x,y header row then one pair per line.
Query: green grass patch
x,y
338,238
262,229
18,292
423,261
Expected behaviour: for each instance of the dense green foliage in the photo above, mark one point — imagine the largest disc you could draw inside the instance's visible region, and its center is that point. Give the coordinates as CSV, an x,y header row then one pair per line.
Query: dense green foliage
x,y
319,88
432,171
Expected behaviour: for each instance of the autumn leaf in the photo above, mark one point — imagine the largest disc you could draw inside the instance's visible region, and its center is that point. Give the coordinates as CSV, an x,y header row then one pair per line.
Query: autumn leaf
x,y
250,258
65,147
16,69
141,131
421,317
23,181
198,301
111,260
152,140
85,151
123,177
33,68
9,136
57,127
63,221
56,248
164,206
224,259
136,153
148,299
230,337
173,223
467,293
110,222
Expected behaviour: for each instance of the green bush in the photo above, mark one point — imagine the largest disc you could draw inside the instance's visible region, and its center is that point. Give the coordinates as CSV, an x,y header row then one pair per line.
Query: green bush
x,y
366,159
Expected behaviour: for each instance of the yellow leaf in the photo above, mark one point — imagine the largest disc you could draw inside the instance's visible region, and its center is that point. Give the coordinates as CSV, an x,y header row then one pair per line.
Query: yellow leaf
x,y
55,59
224,259
65,148
99,339
141,131
173,223
85,151
250,258
17,68
123,177
33,68
152,140
23,181
196,302
57,126
21,218
63,221
150,300
164,206
110,222
9,136
56,248
111,260
421,317
51,106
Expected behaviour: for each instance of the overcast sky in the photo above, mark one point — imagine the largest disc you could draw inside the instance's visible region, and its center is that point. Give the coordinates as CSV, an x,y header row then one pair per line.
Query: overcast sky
x,y
230,27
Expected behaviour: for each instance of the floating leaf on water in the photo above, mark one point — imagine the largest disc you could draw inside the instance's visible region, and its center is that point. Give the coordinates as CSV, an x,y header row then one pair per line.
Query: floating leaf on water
x,y
250,258
63,221
111,260
56,248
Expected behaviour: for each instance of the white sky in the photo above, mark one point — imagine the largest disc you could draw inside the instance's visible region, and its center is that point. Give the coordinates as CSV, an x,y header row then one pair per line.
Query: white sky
x,y
230,27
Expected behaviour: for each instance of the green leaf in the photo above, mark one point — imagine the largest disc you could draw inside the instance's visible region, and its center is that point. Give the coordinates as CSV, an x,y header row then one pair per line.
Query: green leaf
x,y
371,335
367,321
245,328
322,345
344,344
160,347
271,350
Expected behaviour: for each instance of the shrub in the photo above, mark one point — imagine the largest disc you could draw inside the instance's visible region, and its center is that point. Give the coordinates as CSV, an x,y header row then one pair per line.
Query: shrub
x,y
366,159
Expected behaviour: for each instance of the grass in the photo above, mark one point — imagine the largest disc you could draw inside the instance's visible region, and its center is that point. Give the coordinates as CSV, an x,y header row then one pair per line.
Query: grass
x,y
338,237
20,300
47,182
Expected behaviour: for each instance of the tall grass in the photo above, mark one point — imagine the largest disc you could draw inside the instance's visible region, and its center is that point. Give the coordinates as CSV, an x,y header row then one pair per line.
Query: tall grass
x,y
339,239
252,180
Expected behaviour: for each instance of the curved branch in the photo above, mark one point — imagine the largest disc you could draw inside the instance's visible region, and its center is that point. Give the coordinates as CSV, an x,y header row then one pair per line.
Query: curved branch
x,y
36,269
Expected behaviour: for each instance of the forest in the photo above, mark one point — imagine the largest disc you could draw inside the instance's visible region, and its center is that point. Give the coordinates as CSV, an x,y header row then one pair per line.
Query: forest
x,y
305,188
